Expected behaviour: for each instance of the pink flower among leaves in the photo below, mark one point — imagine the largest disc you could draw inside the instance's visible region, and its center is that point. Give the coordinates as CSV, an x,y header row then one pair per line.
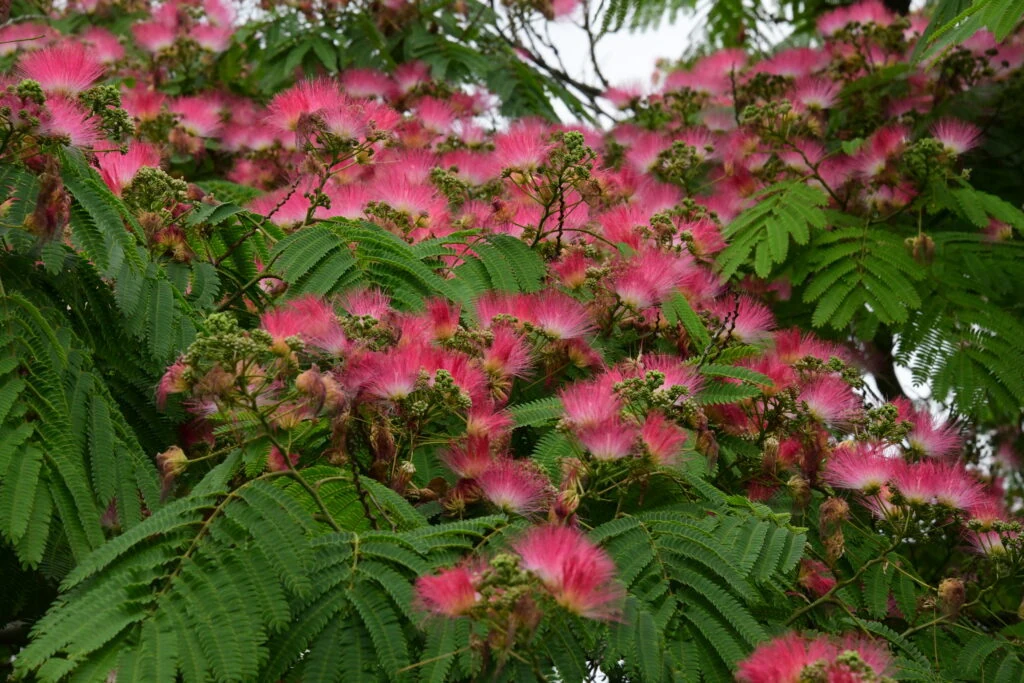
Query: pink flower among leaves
x,y
579,575
450,593
830,401
469,459
153,36
787,658
104,44
609,440
276,461
860,467
523,147
309,318
65,118
928,436
515,486
588,404
67,68
556,314
955,135
303,99
931,482
117,170
815,577
747,320
367,302
508,355
662,439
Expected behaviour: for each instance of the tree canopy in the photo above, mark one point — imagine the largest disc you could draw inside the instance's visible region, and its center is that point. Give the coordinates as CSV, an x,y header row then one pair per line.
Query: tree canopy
x,y
328,353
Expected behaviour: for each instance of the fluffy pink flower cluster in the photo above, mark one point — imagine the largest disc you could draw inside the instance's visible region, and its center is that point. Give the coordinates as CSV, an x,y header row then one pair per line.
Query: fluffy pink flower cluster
x,y
172,22
578,575
793,658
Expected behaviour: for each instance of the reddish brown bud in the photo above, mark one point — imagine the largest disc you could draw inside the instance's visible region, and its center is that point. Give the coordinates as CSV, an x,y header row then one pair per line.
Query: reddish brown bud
x,y
172,462
800,489
833,512
53,204
310,382
951,596
922,248
770,453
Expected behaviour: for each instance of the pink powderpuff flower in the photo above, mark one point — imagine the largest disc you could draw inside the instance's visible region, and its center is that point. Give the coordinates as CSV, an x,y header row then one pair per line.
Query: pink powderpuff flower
x,y
65,118
153,36
796,62
105,46
988,510
947,484
523,147
622,96
219,12
515,486
815,94
23,36
409,75
609,440
117,170
676,372
830,401
367,83
212,38
781,660
435,115
561,9
276,461
791,345
884,144
413,199
470,166
866,12
988,543
394,375
572,269
956,136
367,302
785,659
309,318
470,458
66,68
199,115
705,237
559,316
816,577
644,149
143,103
806,155
303,99
172,382
508,355
860,467
285,207
649,277
928,436
465,373
588,404
745,319
450,593
579,575
443,318
662,439
485,421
